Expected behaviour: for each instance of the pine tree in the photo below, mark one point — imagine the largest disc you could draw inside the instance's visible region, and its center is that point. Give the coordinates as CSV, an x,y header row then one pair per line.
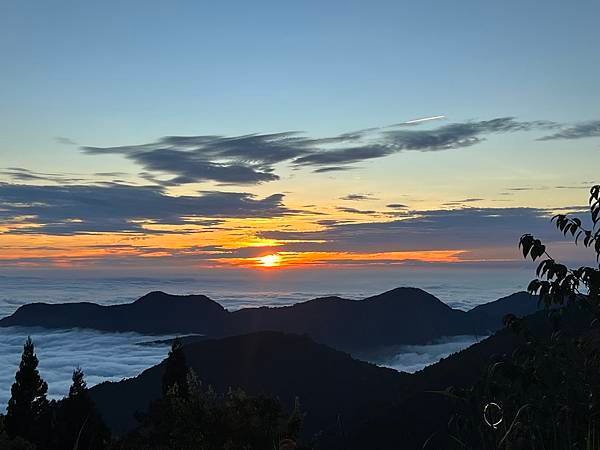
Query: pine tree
x,y
78,389
194,384
176,371
78,407
79,425
28,405
294,422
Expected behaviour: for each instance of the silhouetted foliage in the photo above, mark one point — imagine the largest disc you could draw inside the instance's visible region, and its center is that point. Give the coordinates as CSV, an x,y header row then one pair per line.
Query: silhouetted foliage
x,y
548,389
205,420
187,416
555,282
77,423
294,422
176,370
33,422
17,443
27,413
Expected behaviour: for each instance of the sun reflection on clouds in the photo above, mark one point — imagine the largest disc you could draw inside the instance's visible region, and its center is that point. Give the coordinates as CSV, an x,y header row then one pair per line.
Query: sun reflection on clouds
x,y
308,259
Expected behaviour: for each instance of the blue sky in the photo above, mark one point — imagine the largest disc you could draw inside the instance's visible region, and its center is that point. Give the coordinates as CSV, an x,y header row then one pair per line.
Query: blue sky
x,y
112,73
109,70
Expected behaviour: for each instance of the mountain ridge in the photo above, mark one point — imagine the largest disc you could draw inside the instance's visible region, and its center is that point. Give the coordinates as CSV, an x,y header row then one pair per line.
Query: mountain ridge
x,y
349,404
402,315
278,364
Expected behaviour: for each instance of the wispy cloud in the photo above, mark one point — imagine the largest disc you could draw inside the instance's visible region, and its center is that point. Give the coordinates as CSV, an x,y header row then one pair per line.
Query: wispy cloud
x,y
333,169
357,197
463,201
65,140
356,211
26,175
251,159
577,131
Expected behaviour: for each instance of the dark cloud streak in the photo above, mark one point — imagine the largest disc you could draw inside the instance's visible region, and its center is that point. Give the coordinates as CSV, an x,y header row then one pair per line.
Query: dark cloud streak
x,y
455,229
357,197
250,159
81,209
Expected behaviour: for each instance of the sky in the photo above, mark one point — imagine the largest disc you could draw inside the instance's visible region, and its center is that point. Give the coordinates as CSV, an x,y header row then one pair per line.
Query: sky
x,y
188,137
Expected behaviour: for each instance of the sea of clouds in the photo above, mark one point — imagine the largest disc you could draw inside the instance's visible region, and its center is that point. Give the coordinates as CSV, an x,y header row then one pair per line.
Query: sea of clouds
x,y
462,289
113,356
102,356
412,358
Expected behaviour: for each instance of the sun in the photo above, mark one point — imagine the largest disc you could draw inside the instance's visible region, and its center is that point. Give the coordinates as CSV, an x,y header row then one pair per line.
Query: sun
x,y
270,260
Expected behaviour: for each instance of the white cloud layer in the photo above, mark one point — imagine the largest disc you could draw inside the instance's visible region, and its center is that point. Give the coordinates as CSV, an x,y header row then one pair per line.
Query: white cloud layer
x,y
102,356
412,358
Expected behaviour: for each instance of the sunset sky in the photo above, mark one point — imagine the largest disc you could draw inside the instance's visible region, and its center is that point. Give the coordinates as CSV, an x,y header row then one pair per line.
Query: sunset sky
x,y
193,136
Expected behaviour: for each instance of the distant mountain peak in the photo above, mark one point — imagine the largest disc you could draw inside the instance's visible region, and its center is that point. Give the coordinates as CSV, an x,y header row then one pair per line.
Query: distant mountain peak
x,y
405,294
404,290
160,296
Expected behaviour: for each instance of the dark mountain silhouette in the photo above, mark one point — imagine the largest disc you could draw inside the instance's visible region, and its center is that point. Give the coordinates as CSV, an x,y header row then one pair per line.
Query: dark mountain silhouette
x,y
489,315
154,313
399,316
350,404
332,386
347,401
408,423
423,413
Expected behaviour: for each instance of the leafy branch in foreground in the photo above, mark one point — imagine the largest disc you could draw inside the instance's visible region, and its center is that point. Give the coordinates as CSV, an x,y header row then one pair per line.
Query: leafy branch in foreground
x,y
548,386
555,282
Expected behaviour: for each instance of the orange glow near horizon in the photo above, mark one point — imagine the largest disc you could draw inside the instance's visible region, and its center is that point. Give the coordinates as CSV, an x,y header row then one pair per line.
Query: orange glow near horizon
x,y
308,259
230,247
238,243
